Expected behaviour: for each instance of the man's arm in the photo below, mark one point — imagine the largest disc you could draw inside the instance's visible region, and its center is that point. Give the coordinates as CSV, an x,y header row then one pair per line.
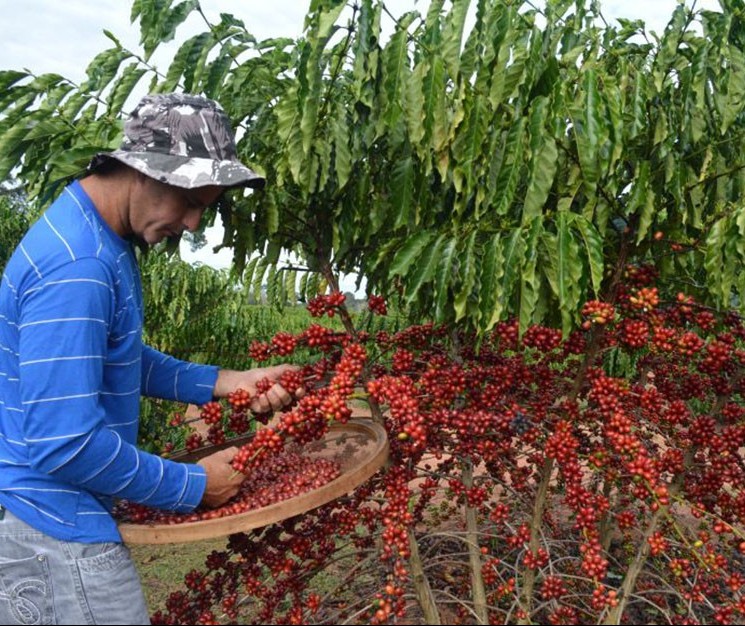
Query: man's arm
x,y
166,377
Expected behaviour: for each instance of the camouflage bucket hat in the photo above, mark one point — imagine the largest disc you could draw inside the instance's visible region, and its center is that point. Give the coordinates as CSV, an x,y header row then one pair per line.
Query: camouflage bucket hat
x,y
182,140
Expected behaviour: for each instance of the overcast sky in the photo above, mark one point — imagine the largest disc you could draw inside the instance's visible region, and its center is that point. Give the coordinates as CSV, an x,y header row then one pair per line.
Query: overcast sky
x,y
63,36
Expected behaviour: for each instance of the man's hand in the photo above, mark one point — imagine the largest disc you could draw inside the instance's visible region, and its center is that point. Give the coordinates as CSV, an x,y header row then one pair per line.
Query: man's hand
x,y
273,400
223,482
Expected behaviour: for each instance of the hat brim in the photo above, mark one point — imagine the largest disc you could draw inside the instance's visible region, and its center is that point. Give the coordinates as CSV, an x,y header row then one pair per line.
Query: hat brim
x,y
185,172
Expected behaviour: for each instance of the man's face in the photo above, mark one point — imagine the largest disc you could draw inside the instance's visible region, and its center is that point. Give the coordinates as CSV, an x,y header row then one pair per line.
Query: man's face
x,y
158,211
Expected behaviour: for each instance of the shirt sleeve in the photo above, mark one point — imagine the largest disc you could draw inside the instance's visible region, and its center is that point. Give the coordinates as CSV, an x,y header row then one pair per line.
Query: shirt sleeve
x,y
166,377
63,341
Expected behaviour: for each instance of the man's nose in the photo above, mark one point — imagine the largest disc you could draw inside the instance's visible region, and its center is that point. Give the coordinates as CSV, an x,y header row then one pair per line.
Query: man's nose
x,y
192,218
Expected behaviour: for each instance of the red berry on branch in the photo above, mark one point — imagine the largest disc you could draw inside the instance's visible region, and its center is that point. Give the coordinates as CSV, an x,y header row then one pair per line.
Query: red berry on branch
x,y
239,400
211,412
377,305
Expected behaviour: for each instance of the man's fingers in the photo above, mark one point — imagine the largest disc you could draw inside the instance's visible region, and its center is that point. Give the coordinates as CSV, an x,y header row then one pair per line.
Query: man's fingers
x,y
260,404
279,397
278,370
223,482
273,400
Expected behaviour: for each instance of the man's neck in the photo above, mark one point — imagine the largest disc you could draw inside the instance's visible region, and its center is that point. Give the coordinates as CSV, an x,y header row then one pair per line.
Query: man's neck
x,y
110,196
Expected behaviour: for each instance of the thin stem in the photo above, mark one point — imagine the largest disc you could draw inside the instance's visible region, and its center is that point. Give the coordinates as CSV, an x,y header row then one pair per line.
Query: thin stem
x,y
478,589
422,588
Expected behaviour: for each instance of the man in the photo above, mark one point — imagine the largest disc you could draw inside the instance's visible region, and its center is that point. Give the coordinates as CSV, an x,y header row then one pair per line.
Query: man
x,y
73,367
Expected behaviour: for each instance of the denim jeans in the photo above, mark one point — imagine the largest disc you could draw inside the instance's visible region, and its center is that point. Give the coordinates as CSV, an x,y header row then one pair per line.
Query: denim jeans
x,y
47,581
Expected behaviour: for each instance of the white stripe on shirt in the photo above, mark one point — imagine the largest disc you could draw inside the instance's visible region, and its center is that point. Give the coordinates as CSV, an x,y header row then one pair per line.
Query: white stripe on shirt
x,y
120,424
109,462
160,480
73,455
121,393
56,438
134,475
69,280
147,378
28,258
75,492
183,491
62,358
13,441
123,364
62,239
63,319
80,206
6,280
8,321
125,335
43,512
77,395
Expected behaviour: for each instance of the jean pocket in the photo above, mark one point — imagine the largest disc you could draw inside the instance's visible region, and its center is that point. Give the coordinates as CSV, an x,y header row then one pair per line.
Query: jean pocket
x,y
111,587
26,591
98,558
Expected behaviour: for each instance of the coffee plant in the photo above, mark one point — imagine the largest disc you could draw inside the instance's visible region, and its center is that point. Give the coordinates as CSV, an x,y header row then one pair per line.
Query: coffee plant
x,y
15,218
481,159
534,478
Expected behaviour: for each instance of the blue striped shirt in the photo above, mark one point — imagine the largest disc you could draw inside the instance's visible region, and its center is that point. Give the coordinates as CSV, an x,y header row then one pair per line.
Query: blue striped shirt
x,y
72,370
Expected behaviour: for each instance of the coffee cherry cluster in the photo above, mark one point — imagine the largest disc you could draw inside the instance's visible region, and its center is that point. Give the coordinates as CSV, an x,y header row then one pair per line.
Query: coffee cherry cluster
x,y
542,338
281,477
259,351
318,336
264,384
405,422
634,333
597,312
295,380
239,400
265,444
645,298
216,435
377,305
326,304
211,412
194,441
553,588
641,275
284,343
